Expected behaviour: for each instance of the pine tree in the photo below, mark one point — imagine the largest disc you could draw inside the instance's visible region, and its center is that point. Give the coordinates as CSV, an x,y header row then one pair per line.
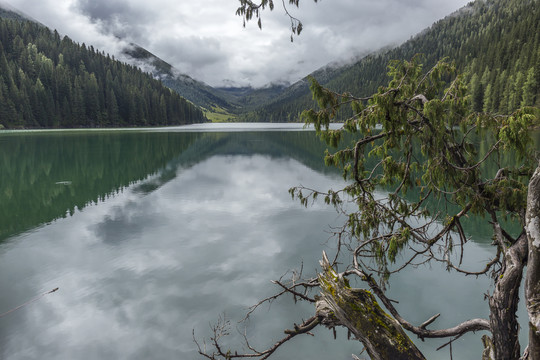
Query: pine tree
x,y
477,93
529,89
51,81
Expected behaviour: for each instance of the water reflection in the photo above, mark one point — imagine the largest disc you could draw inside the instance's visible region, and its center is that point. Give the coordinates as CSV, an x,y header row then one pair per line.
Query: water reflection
x,y
137,273
199,230
46,176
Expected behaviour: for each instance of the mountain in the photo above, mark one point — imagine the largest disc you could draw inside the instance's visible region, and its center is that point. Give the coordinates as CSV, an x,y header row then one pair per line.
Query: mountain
x,y
9,12
219,103
195,91
495,43
50,81
287,105
248,97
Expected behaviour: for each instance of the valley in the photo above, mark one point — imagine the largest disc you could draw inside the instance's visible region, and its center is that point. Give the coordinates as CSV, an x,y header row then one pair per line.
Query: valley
x,y
495,44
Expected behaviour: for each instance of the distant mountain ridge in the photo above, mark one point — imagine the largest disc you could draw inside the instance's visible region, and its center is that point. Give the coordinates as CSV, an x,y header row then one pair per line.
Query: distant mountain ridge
x,y
228,100
495,43
484,38
49,81
198,93
195,91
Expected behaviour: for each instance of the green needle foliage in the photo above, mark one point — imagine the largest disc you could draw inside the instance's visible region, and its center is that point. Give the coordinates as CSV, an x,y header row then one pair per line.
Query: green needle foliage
x,y
417,140
494,43
49,81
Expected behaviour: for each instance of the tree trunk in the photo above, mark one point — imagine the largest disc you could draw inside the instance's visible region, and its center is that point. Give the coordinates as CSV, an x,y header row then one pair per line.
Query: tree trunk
x,y
504,303
357,310
532,279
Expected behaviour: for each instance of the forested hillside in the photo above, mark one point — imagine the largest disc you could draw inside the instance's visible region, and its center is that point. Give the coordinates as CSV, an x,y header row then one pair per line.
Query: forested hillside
x,y
195,91
496,43
50,81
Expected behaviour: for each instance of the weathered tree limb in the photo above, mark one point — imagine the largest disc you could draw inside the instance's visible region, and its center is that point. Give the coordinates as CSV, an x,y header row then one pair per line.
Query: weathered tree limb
x,y
504,302
358,311
532,279
421,331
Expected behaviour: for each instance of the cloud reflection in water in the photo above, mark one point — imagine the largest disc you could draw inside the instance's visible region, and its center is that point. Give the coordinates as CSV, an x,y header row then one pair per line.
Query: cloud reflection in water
x,y
139,271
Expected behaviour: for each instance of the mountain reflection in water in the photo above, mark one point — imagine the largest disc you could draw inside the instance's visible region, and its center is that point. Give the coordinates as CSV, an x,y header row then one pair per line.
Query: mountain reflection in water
x,y
151,234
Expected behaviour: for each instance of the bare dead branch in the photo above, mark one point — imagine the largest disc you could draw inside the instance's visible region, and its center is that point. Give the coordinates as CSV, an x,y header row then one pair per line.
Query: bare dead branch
x,y
307,326
422,333
296,293
310,283
429,321
495,260
221,329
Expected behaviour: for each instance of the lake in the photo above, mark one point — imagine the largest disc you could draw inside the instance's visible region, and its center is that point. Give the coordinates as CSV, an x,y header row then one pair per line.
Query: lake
x,y
150,234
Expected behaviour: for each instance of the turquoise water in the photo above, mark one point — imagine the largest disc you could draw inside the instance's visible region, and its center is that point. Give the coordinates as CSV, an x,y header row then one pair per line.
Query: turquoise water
x,y
151,234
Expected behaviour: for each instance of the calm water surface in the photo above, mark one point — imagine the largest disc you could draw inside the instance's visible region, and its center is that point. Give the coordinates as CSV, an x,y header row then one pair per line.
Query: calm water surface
x,y
150,234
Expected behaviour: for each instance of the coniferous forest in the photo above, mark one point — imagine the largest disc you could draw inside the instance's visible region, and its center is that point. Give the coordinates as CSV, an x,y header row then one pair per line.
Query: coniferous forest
x,y
494,43
49,81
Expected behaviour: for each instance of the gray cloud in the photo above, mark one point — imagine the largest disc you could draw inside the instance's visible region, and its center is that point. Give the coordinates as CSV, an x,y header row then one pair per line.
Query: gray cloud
x,y
122,18
104,10
209,43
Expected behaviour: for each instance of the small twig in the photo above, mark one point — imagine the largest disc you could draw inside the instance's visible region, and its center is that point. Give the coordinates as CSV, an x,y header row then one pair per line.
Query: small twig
x,y
286,289
307,326
28,302
449,343
429,321
296,293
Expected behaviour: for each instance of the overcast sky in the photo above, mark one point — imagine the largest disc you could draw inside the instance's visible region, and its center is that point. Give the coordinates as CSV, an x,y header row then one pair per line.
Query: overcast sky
x,y
206,40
